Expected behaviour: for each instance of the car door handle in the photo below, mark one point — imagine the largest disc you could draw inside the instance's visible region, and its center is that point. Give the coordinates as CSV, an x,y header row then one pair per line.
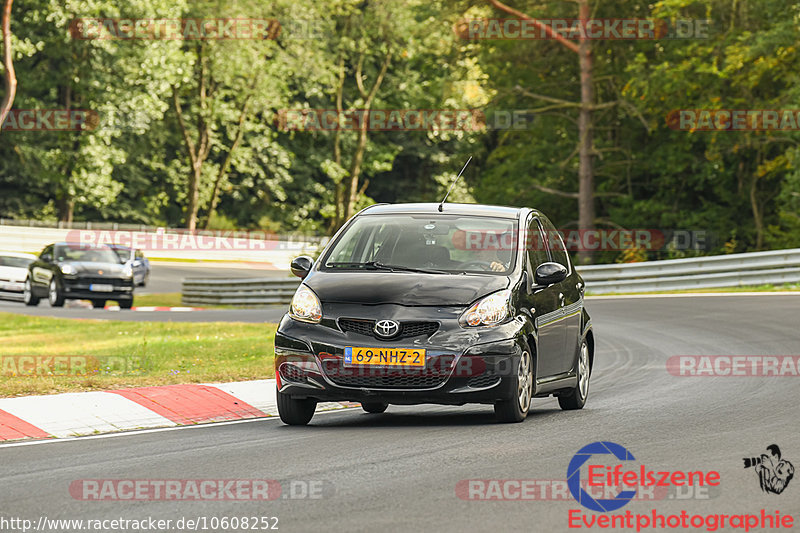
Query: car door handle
x,y
561,298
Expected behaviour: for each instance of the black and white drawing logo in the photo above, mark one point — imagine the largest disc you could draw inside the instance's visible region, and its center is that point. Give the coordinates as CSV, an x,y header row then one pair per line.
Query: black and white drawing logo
x,y
774,473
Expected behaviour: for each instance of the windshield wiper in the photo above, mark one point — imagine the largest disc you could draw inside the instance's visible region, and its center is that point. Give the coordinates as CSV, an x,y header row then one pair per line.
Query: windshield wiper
x,y
381,266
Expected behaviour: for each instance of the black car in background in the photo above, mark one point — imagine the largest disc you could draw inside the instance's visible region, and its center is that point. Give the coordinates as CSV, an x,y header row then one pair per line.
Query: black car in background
x,y
73,271
409,304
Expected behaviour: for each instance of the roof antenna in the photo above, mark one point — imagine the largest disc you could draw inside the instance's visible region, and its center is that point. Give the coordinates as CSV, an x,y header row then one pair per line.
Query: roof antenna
x,y
453,184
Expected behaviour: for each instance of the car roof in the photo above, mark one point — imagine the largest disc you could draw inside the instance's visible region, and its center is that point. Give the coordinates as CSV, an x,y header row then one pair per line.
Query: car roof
x,y
447,209
81,244
16,254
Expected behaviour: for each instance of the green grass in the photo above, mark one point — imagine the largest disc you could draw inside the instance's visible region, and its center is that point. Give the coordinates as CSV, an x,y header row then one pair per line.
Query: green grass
x,y
166,299
164,352
792,287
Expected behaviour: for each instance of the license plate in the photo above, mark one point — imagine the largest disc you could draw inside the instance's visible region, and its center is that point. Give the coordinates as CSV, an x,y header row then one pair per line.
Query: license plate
x,y
101,288
359,355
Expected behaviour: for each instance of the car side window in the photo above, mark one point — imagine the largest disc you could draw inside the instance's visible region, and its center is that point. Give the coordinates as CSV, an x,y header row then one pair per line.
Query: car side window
x,y
555,242
536,245
139,254
48,251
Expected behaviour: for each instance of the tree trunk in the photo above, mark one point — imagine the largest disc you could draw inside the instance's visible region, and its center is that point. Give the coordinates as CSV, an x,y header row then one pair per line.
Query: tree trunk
x,y
355,170
586,162
8,63
65,206
585,150
351,196
194,196
758,217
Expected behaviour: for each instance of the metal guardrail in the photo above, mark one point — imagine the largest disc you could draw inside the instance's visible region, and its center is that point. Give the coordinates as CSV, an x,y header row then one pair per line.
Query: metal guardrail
x,y
775,267
759,268
245,291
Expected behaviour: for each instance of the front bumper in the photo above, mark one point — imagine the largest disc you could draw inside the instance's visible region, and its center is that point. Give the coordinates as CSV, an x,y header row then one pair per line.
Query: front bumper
x,y
463,365
78,287
11,290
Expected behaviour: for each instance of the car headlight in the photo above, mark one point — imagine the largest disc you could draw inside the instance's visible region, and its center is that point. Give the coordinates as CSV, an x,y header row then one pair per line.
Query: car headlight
x,y
68,270
488,311
305,306
127,271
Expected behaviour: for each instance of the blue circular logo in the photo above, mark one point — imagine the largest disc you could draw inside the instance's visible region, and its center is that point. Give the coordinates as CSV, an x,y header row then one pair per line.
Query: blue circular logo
x,y
574,477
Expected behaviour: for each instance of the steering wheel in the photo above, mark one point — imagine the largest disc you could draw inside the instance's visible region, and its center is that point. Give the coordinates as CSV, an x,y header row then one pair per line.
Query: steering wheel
x,y
486,265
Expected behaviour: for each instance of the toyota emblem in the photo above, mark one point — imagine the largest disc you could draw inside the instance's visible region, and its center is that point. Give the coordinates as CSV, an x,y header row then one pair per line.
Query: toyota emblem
x,y
386,328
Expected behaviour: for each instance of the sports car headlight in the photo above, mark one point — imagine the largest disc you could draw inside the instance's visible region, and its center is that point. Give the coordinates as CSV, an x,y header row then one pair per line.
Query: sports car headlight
x,y
305,306
68,270
489,311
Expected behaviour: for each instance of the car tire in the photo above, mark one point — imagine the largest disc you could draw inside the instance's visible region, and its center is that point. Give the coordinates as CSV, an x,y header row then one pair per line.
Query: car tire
x,y
28,297
374,407
515,409
295,412
98,304
576,398
125,304
54,294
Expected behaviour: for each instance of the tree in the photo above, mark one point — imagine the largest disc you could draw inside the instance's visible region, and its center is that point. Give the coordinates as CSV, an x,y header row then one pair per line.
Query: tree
x,y
8,64
585,143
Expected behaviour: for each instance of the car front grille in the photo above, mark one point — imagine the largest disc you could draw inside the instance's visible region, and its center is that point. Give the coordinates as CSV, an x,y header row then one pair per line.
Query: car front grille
x,y
292,374
383,378
407,329
482,381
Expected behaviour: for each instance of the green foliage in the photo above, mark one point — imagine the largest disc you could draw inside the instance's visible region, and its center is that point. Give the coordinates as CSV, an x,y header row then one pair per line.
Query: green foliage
x,y
742,187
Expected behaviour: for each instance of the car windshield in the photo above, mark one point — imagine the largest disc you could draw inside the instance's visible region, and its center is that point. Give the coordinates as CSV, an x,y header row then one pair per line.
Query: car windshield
x,y
11,261
428,243
124,254
89,254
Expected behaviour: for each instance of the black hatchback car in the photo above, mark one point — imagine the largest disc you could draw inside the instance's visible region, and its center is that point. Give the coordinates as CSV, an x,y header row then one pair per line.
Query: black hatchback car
x,y
74,271
408,305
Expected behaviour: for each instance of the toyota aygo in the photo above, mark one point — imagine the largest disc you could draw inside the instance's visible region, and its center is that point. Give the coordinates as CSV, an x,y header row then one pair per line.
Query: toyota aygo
x,y
424,303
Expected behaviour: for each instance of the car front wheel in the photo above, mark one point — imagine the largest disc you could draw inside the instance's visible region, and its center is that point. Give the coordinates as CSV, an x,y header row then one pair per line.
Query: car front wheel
x,y
27,296
295,412
515,409
576,398
54,295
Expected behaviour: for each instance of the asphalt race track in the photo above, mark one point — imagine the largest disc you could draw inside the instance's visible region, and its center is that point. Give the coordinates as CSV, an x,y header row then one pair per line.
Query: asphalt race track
x,y
398,471
167,277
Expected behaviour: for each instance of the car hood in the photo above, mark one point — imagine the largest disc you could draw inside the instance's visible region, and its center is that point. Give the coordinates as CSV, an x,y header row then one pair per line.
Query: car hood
x,y
94,268
13,273
403,288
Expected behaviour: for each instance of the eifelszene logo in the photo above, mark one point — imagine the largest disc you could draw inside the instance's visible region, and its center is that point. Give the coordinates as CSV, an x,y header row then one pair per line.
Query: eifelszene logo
x,y
774,473
616,477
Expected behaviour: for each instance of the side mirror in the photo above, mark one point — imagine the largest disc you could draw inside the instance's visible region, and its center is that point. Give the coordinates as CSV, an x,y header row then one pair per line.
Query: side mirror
x,y
549,273
301,266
